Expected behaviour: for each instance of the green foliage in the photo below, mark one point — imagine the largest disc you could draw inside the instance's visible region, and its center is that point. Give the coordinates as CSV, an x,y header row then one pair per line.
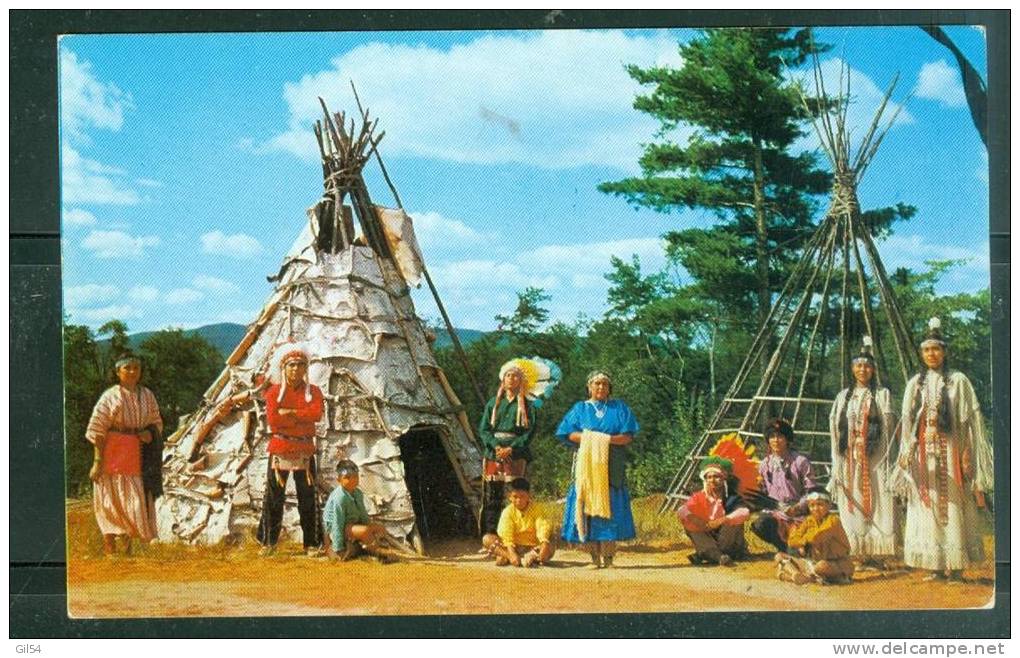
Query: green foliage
x,y
879,221
84,381
529,314
628,290
966,321
178,367
744,116
118,342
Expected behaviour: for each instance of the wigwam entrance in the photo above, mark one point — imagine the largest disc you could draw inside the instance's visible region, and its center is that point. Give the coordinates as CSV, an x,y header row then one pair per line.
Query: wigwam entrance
x,y
441,509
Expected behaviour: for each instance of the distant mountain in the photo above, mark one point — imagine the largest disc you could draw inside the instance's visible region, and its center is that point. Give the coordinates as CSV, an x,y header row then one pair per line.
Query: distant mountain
x,y
466,336
226,335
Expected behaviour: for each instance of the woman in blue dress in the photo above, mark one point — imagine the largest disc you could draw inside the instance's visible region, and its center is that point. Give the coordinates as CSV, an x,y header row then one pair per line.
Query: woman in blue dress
x,y
600,420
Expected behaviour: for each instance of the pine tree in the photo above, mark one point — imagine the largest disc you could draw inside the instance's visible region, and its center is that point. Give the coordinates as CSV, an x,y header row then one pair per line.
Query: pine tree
x,y
745,117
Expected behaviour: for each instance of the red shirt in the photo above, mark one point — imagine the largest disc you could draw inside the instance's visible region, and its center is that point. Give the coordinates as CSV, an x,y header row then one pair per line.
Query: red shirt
x,y
300,424
709,509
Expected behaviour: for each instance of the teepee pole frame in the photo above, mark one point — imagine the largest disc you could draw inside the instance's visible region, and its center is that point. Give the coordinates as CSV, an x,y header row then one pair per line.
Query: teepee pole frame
x,y
841,236
458,348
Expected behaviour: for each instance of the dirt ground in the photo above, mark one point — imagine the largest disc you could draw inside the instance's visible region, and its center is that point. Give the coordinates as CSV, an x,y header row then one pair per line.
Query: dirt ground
x,y
177,581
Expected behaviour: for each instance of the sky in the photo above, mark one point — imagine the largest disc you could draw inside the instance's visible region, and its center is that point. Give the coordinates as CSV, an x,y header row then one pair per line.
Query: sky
x,y
188,160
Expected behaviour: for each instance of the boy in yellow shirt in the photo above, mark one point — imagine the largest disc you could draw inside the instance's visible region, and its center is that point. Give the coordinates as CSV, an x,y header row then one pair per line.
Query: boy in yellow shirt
x,y
523,536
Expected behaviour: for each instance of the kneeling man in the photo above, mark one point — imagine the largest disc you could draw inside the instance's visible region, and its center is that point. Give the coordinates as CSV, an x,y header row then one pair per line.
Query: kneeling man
x,y
523,536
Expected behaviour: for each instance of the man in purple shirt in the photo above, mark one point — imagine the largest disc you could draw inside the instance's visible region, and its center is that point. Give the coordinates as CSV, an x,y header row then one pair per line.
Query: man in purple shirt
x,y
785,475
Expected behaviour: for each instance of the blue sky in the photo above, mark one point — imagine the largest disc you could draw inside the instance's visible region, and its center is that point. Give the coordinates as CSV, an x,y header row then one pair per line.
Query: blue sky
x,y
188,161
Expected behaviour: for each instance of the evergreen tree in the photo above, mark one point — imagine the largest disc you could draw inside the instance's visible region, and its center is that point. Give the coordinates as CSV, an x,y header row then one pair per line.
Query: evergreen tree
x,y
84,381
529,315
116,331
745,116
178,367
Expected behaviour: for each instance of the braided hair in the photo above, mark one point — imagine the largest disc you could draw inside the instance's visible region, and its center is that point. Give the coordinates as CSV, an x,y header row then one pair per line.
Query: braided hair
x,y
944,419
874,421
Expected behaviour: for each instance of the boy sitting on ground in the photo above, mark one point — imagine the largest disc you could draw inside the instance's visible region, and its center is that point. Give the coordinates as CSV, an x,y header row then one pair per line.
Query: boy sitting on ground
x,y
714,517
346,523
822,542
523,536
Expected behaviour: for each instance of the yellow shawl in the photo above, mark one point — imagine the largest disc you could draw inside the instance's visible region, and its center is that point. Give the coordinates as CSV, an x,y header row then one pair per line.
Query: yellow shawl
x,y
591,477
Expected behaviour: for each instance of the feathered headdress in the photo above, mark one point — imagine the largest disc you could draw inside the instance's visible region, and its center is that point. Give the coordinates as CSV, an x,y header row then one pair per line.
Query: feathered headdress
x,y
716,464
933,336
740,457
286,353
866,353
744,468
539,378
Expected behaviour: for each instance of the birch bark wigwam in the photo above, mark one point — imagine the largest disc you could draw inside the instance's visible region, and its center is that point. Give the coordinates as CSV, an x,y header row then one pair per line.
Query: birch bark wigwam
x,y
838,292
344,295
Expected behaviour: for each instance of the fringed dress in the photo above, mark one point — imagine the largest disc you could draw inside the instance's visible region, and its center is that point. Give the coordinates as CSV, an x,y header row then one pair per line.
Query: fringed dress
x,y
119,499
943,526
860,481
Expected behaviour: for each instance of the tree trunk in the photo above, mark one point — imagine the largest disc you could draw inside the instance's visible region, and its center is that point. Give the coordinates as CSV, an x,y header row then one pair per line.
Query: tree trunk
x,y
711,364
761,244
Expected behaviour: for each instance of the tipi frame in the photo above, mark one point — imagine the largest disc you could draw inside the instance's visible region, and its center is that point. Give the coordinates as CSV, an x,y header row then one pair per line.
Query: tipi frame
x,y
829,287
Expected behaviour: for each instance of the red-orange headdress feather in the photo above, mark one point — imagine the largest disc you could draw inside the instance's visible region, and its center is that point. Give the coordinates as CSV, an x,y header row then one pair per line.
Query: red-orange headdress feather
x,y
741,455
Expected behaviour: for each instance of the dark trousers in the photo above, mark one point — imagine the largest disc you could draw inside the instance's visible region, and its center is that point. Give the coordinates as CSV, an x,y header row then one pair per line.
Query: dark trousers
x,y
713,544
272,507
767,528
492,506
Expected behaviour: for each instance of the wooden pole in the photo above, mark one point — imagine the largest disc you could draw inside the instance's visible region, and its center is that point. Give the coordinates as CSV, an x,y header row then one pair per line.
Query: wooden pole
x,y
869,320
458,348
814,332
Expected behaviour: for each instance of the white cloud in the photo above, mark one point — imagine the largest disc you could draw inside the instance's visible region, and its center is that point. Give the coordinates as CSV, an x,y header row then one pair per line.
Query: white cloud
x,y
572,274
472,274
117,244
78,217
87,102
214,284
580,266
143,293
914,250
865,99
434,230
88,181
588,262
238,245
98,316
548,98
90,293
182,296
940,81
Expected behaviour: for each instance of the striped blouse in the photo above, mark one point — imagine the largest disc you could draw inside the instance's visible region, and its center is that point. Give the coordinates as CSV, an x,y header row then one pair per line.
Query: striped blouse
x,y
121,409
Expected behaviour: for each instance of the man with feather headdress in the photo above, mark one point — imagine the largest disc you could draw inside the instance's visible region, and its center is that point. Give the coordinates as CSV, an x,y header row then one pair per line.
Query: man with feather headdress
x,y
714,516
507,426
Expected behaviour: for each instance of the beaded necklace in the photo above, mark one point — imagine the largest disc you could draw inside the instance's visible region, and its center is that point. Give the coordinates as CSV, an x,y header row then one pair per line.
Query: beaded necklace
x,y
599,412
931,398
857,448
